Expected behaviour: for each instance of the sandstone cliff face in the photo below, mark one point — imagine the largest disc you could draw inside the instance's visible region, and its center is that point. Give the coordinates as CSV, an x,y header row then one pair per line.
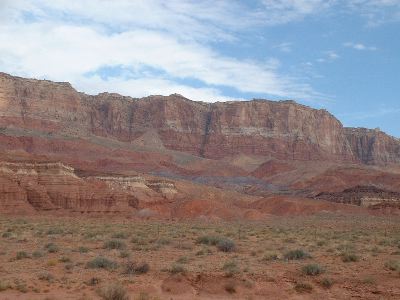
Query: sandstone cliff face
x,y
283,130
373,146
54,186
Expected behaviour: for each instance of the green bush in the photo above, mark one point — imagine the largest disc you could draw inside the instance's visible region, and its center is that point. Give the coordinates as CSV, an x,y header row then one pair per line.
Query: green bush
x,y
55,230
6,234
45,276
101,263
270,257
393,265
327,283
296,255
312,270
114,291
83,249
132,268
120,235
114,244
230,268
177,268
37,254
208,240
349,257
226,245
21,255
51,248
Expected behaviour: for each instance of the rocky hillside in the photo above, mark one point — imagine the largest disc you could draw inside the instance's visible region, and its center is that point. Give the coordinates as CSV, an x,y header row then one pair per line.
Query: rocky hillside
x,y
44,186
283,130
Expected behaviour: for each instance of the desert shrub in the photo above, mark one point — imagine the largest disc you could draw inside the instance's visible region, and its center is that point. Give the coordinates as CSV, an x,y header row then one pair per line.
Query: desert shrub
x,y
208,240
303,287
177,268
139,241
124,254
163,241
64,259
51,248
101,263
393,265
296,255
230,268
93,281
132,268
6,234
226,245
83,249
51,262
4,286
349,257
21,287
182,260
55,230
45,276
114,291
204,251
37,254
143,296
312,269
114,244
326,283
270,257
21,255
368,280
120,235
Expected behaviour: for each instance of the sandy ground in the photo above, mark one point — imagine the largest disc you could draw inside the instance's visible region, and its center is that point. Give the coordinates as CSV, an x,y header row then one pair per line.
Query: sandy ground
x,y
58,258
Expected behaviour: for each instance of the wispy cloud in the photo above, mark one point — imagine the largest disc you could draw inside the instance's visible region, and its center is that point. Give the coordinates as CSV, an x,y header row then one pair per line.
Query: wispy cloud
x,y
376,12
284,47
173,41
360,46
285,11
329,56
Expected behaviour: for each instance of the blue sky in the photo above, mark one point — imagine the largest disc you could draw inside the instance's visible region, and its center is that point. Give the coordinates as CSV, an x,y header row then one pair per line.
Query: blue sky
x,y
340,55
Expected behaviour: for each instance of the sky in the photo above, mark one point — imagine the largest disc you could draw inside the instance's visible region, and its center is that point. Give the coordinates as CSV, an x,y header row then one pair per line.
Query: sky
x,y
343,56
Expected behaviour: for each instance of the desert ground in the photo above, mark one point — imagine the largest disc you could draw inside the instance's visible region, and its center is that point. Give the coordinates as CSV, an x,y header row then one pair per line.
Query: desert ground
x,y
325,256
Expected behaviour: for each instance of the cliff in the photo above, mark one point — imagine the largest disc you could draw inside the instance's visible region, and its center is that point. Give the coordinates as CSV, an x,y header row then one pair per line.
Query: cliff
x,y
372,146
46,186
284,130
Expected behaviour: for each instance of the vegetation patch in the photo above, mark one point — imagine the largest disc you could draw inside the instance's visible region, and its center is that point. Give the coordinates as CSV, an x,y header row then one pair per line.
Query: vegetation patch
x,y
114,291
114,244
101,263
296,255
312,270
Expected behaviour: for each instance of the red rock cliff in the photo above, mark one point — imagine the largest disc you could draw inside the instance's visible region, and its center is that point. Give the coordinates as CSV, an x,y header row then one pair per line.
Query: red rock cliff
x,y
283,130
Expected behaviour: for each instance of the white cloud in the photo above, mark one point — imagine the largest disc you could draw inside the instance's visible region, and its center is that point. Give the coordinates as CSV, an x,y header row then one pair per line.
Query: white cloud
x,y
377,12
284,11
360,46
67,40
329,56
284,47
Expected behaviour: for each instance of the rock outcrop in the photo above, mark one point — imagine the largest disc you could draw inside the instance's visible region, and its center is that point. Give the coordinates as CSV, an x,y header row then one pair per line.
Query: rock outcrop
x,y
283,130
367,196
372,146
54,186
